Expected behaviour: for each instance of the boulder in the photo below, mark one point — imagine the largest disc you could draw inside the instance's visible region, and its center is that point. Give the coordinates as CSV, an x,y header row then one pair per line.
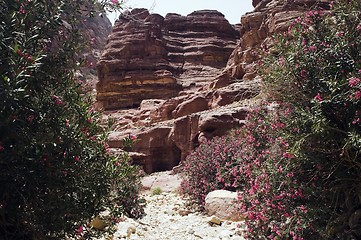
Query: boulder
x,y
223,204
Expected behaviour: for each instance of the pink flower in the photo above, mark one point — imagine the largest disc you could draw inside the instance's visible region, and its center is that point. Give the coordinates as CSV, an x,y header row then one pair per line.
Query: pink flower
x,y
340,34
77,158
358,95
313,48
318,97
353,81
1,148
355,121
134,137
22,10
358,28
288,155
67,122
57,100
115,1
325,44
303,73
302,208
31,118
80,230
281,61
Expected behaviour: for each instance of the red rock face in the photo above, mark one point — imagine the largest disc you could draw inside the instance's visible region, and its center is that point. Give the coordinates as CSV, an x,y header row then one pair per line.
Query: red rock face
x,y
269,17
148,56
180,80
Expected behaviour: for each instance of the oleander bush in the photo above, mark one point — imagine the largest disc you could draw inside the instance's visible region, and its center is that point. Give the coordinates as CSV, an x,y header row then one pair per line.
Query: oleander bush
x,y
297,167
209,168
56,172
316,69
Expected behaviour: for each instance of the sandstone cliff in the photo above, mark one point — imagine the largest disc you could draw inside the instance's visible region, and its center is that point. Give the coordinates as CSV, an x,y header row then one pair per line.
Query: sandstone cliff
x,y
148,56
178,81
268,17
95,30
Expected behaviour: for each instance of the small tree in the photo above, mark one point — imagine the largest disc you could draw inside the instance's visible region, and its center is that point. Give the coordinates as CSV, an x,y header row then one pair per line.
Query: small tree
x,y
56,172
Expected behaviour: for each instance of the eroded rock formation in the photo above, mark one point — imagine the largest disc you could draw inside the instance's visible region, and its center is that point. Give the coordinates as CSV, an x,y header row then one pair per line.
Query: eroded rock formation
x,y
180,80
268,17
151,57
95,30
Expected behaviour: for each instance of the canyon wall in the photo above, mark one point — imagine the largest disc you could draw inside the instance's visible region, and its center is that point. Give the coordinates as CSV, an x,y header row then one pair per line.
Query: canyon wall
x,y
268,17
176,81
151,57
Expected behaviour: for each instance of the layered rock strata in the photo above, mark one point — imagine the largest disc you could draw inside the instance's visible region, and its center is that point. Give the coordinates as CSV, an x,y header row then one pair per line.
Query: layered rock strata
x,y
151,57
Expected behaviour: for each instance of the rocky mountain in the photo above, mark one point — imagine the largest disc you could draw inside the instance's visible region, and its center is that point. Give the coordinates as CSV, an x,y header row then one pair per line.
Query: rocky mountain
x,y
95,30
268,17
151,57
176,81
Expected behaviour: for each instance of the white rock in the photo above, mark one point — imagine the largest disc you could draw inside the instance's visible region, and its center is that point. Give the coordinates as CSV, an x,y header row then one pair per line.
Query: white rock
x,y
223,204
214,220
124,230
160,222
224,234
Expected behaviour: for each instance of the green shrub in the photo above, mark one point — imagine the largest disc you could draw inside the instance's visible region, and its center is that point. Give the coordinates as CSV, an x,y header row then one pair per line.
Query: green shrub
x,y
317,70
156,191
211,166
56,172
297,166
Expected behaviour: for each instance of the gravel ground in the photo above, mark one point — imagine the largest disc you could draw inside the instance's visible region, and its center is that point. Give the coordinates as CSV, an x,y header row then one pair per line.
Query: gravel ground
x,y
167,217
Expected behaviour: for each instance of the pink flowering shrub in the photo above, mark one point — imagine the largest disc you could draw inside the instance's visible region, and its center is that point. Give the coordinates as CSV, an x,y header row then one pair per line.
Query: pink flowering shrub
x,y
207,168
55,169
277,194
320,80
256,161
296,162
129,141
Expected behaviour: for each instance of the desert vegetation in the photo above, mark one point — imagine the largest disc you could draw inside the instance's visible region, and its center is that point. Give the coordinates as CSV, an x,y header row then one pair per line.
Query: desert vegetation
x,y
296,162
56,170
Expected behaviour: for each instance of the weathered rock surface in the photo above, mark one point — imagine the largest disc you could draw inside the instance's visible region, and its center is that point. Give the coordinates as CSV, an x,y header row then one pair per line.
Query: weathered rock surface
x,y
223,204
151,57
160,78
181,80
268,17
167,181
95,31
